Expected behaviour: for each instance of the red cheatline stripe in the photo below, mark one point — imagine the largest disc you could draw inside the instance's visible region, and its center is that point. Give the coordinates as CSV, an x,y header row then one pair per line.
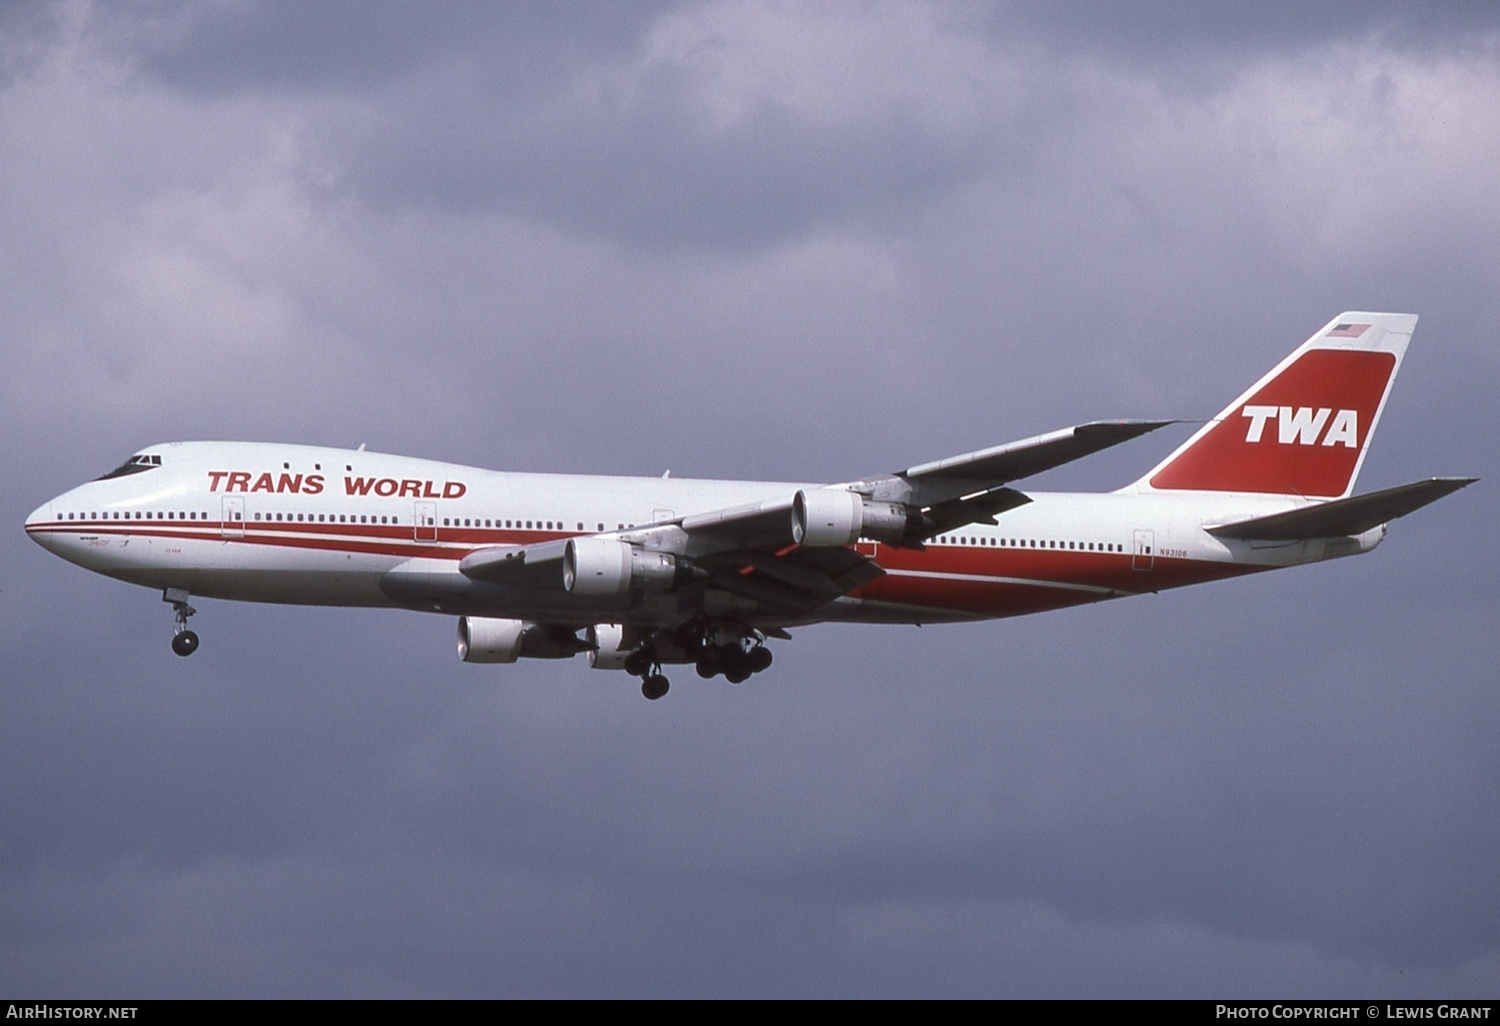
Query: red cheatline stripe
x,y
393,541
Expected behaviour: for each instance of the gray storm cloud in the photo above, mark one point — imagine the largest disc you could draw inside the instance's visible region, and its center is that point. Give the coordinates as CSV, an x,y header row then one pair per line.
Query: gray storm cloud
x,y
747,240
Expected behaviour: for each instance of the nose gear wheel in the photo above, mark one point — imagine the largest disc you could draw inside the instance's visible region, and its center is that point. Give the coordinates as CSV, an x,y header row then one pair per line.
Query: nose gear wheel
x,y
184,641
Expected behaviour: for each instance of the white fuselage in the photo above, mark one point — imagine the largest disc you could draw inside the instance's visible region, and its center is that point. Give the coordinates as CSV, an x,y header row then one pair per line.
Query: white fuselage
x,y
321,526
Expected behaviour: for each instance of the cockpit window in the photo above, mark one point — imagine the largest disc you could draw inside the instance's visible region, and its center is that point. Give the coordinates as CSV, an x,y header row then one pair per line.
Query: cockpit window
x,y
137,464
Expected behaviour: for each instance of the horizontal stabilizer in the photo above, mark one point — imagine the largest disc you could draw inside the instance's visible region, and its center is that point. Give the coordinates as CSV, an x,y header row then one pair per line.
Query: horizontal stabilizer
x,y
1354,515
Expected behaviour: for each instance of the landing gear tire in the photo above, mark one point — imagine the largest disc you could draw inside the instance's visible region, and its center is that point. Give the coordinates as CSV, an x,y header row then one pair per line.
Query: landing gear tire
x,y
758,659
185,643
709,663
638,663
655,686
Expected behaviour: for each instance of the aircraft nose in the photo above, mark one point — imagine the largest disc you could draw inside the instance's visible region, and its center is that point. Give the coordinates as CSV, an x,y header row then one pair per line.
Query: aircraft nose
x,y
39,518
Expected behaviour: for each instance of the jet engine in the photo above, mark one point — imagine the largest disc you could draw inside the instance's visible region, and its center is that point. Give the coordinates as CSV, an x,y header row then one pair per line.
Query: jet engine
x,y
606,651
834,517
486,639
606,566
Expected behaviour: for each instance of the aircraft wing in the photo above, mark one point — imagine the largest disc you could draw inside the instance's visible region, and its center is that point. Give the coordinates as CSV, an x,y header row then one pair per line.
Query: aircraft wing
x,y
790,579
756,527
796,550
793,581
971,488
1014,460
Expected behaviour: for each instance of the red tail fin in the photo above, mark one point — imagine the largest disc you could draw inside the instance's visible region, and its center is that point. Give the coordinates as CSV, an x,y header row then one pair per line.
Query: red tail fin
x,y
1303,429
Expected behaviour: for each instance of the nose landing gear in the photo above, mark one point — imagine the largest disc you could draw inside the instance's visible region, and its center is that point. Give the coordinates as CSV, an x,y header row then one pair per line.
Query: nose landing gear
x,y
184,641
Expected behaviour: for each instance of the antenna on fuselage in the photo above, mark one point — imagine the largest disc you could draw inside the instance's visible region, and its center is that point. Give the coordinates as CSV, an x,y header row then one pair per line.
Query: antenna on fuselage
x,y
361,447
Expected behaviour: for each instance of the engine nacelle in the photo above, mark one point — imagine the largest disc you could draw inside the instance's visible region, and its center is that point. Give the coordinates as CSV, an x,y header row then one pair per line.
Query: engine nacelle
x,y
606,651
606,566
827,516
484,639
833,517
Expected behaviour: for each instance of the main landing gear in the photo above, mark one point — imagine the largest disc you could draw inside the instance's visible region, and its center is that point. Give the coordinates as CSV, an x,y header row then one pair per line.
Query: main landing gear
x,y
712,653
184,641
733,660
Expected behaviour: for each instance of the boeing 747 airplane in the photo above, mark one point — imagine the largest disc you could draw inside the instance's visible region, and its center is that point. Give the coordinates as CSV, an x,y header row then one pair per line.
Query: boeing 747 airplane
x,y
638,573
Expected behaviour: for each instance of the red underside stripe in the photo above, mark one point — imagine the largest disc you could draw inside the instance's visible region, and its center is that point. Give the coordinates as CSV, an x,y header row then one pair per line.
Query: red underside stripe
x,y
1046,572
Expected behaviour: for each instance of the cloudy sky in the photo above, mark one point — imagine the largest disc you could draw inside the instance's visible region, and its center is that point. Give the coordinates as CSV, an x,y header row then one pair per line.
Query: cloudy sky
x,y
801,241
